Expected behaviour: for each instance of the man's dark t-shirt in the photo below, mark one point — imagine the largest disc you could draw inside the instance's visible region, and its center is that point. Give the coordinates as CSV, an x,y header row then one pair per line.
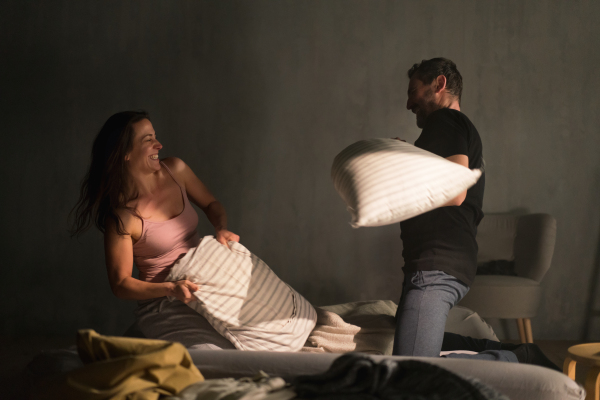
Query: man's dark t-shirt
x,y
444,239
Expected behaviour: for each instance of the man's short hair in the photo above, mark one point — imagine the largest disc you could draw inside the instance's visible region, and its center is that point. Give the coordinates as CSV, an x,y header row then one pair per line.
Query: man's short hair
x,y
427,70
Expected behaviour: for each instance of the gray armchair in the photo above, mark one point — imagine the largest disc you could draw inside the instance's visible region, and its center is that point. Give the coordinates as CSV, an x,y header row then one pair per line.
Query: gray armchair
x,y
528,240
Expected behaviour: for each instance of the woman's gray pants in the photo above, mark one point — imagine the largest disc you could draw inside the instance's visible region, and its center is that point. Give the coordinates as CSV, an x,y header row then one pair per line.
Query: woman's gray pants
x,y
176,322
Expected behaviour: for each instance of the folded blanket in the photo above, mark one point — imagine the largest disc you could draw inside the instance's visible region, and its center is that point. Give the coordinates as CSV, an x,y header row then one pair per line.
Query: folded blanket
x,y
364,326
243,299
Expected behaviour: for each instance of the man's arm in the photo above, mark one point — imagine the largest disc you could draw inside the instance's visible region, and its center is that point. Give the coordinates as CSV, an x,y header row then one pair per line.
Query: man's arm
x,y
464,161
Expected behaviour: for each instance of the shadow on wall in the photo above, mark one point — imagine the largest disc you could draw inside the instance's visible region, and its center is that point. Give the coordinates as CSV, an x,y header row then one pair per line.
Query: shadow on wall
x,y
592,308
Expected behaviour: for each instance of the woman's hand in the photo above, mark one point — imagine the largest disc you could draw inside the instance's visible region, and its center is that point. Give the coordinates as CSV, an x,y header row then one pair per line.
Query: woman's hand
x,y
224,236
183,290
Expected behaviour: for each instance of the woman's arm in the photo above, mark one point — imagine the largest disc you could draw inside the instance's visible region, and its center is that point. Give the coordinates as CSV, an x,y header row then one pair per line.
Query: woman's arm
x,y
199,194
118,250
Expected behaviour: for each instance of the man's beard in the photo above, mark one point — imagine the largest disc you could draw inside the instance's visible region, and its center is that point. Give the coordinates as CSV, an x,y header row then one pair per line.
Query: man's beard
x,y
421,117
428,107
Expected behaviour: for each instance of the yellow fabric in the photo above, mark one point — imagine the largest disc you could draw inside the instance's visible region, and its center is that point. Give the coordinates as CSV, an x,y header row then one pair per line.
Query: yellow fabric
x,y
125,369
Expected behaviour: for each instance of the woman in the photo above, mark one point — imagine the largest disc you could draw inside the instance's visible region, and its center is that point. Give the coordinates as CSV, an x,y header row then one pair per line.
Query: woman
x,y
141,205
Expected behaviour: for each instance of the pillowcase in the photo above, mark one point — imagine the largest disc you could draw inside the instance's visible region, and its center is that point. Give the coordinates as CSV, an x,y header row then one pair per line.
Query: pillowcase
x,y
243,299
384,181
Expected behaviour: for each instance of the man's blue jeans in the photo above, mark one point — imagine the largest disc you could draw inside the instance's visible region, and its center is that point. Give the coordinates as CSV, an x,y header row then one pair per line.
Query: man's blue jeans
x,y
427,297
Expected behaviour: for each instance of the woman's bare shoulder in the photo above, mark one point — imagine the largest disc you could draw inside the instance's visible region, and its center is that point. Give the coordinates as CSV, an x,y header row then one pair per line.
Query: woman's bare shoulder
x,y
175,164
131,224
178,168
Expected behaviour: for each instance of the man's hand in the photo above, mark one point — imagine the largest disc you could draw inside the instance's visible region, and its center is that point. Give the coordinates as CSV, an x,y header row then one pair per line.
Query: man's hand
x,y
183,289
224,236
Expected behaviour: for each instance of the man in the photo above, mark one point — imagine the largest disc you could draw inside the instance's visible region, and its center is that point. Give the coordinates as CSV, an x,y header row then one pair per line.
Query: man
x,y
440,251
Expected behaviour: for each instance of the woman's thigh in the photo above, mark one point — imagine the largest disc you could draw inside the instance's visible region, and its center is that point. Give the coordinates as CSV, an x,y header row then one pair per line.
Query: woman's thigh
x,y
176,322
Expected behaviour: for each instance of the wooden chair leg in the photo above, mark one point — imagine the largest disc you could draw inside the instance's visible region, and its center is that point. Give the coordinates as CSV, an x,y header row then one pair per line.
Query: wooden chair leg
x,y
521,326
528,332
569,367
592,384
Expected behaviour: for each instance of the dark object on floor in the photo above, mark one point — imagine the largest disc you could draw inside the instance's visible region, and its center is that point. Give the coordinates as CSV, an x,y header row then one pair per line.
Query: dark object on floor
x,y
50,364
357,377
529,353
497,267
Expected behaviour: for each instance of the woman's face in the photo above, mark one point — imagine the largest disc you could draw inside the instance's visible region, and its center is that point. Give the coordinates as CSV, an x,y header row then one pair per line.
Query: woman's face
x,y
143,157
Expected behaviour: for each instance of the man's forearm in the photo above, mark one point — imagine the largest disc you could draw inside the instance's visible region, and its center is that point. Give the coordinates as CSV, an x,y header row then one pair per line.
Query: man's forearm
x,y
457,201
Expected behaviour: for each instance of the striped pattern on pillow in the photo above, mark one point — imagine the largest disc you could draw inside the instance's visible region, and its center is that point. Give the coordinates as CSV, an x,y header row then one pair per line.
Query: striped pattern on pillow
x,y
243,299
384,181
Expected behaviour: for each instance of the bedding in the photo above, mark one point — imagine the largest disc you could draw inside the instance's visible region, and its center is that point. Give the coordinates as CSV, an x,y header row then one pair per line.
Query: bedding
x,y
243,299
365,326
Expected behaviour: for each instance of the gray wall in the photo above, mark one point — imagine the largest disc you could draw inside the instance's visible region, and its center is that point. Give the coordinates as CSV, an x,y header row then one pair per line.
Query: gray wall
x,y
258,97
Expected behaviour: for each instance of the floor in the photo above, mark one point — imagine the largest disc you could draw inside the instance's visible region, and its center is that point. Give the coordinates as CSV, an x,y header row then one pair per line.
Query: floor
x,y
16,353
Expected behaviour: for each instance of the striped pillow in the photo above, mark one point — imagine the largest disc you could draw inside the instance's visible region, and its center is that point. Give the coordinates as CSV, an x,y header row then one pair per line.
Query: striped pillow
x,y
384,181
243,299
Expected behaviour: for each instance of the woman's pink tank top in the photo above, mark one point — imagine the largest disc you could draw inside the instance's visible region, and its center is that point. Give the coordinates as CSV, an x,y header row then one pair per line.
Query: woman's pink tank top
x,y
164,242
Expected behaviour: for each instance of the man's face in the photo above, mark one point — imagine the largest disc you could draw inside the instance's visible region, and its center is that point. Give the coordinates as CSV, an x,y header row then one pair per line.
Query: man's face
x,y
421,99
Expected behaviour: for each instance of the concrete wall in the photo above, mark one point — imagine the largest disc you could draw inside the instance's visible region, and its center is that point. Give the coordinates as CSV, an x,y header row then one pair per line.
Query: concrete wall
x,y
258,97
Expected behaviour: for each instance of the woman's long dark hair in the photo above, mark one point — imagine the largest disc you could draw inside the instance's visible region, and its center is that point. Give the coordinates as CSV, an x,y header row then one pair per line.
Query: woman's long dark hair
x,y
105,188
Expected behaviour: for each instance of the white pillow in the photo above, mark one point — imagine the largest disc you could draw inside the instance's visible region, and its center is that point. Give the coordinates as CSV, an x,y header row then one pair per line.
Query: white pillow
x,y
243,299
384,181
